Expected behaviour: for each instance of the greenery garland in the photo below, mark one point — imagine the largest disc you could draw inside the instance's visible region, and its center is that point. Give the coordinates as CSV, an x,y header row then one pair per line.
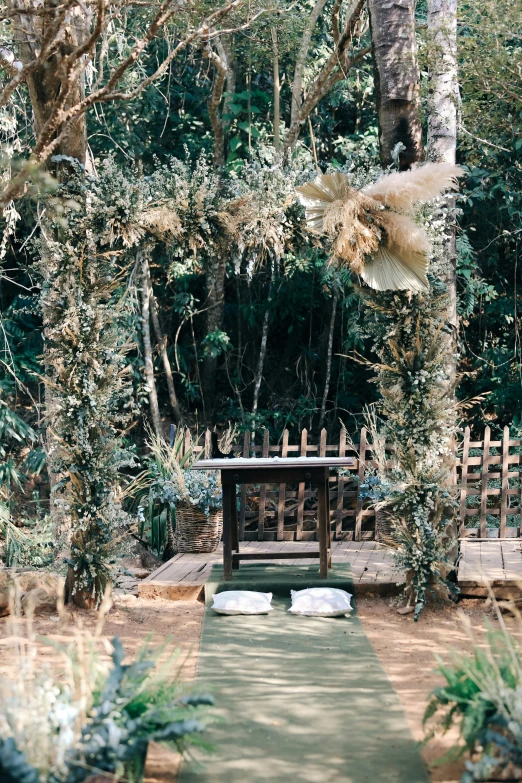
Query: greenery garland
x,y
413,344
87,380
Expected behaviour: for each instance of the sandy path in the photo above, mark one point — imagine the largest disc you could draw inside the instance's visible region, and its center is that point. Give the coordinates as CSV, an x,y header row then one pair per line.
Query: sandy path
x,y
405,649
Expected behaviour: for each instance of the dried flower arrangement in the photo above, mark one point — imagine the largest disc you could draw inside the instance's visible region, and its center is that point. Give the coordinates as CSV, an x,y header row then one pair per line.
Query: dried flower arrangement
x,y
371,230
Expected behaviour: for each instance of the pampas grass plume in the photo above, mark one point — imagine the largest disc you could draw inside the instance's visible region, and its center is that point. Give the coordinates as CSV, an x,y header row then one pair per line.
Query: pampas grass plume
x,y
401,190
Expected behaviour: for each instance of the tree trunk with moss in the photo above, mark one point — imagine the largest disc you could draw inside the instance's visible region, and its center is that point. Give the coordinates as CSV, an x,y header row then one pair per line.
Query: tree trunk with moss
x,y
215,304
397,82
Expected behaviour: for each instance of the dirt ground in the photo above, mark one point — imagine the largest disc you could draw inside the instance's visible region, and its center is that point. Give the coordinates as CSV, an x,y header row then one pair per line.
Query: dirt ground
x,y
405,649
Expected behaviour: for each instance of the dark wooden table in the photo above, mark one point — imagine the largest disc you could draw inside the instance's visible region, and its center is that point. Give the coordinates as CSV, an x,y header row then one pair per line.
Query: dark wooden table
x,y
274,470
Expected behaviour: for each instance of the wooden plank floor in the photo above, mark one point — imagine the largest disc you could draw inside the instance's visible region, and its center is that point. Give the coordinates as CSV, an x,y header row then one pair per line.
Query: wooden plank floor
x,y
184,575
494,561
498,562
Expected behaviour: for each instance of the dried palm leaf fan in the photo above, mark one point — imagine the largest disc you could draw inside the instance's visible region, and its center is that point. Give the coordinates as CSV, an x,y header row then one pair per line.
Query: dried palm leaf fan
x,y
370,228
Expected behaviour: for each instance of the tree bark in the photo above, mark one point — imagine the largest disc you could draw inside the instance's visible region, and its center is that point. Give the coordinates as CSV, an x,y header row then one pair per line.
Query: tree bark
x,y
162,343
301,60
443,96
225,74
334,70
277,89
329,359
396,76
215,309
147,343
262,349
48,81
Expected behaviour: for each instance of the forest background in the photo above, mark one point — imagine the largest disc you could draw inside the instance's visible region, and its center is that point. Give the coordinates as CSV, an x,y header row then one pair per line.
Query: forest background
x,y
267,337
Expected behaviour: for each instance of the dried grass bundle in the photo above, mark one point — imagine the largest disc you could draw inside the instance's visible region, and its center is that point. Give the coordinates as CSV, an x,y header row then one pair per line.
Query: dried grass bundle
x,y
351,223
162,221
370,232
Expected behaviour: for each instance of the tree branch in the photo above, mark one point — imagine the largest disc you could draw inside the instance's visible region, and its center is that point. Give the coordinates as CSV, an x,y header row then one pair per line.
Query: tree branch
x,y
326,78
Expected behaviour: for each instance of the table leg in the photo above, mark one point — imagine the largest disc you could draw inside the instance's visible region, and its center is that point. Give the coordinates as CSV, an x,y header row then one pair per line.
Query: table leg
x,y
323,543
227,531
328,522
234,524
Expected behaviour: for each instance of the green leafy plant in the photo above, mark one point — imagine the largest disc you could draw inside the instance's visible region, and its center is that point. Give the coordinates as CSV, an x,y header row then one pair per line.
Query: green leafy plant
x,y
482,696
18,547
152,494
87,717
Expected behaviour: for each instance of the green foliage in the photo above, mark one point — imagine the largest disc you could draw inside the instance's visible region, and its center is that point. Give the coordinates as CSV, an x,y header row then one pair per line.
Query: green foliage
x,y
482,697
21,548
94,718
136,705
408,333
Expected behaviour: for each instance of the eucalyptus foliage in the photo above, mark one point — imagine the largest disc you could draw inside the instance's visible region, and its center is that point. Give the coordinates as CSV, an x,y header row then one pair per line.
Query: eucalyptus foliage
x,y
94,718
86,380
410,337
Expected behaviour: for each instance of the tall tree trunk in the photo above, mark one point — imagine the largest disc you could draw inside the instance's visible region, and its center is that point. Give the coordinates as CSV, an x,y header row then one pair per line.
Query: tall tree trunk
x,y
147,343
43,84
443,98
225,76
333,70
215,304
329,359
301,61
264,341
277,88
396,76
162,343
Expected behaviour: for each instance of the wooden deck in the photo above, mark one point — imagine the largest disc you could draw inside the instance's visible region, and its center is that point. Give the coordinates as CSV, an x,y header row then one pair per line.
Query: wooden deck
x,y
495,561
184,576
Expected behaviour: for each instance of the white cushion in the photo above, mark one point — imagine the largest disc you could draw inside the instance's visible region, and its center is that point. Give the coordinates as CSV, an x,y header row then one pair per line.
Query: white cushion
x,y
242,602
320,602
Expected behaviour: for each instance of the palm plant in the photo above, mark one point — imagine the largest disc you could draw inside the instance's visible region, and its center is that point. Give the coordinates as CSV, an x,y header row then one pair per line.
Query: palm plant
x,y
153,491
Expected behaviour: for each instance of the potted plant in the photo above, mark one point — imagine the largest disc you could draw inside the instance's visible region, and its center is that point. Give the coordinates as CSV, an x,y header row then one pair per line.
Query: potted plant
x,y
377,491
199,510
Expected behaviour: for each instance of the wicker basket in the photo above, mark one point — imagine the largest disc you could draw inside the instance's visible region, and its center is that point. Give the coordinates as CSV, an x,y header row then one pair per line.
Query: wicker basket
x,y
195,532
383,526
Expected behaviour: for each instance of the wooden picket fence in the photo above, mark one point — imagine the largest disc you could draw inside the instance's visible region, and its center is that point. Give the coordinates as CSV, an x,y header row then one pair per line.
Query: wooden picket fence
x,y
490,482
286,513
485,472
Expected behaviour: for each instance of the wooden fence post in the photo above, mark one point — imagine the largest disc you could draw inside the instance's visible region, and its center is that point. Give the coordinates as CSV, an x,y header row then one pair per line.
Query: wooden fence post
x,y
322,453
505,483
362,462
282,494
243,491
208,444
464,482
300,493
262,495
340,488
484,483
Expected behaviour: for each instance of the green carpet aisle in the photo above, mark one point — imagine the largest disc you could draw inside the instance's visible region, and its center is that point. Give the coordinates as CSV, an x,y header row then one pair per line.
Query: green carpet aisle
x,y
299,698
